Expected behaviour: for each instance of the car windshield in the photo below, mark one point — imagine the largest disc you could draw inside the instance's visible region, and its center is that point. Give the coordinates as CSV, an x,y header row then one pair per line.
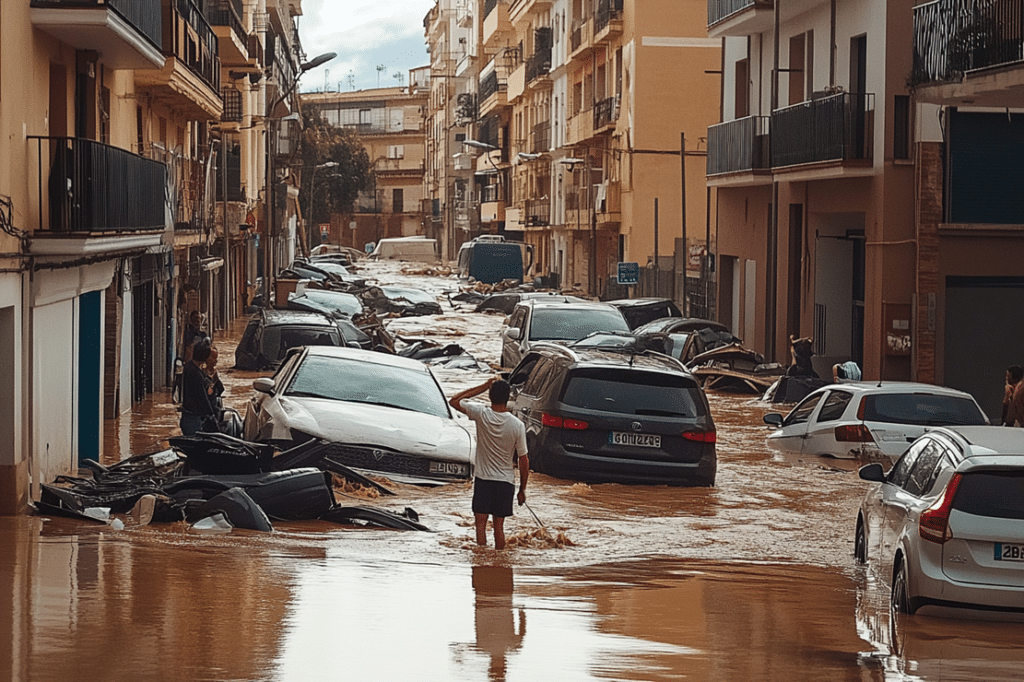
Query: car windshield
x,y
923,409
572,324
360,381
337,300
636,393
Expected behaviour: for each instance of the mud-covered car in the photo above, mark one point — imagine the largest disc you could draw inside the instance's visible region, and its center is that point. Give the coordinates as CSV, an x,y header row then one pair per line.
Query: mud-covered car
x,y
640,311
382,413
538,319
270,334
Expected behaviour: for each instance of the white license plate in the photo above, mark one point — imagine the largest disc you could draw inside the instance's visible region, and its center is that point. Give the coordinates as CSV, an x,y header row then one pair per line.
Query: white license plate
x,y
640,440
452,468
1006,552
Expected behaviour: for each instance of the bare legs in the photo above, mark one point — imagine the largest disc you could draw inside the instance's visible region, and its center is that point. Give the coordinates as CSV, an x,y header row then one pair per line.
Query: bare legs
x,y
499,530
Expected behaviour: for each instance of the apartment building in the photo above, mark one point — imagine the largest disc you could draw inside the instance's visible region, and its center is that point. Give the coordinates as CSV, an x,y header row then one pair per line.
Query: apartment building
x,y
969,133
111,114
391,124
814,172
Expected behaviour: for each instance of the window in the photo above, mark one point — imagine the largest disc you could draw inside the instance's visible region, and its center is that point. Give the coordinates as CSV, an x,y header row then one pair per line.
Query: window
x,y
539,377
396,151
742,88
922,409
922,473
996,494
901,471
397,200
901,127
633,393
802,412
834,406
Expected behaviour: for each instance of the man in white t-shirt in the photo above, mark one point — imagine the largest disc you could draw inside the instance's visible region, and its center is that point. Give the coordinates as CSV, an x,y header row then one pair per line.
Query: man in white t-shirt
x,y
500,446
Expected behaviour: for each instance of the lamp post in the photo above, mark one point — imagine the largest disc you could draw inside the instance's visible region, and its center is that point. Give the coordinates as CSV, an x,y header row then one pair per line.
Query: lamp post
x,y
271,151
488,148
312,187
572,162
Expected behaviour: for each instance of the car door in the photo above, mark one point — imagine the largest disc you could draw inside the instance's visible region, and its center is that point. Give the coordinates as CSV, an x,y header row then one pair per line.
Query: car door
x,y
820,438
512,349
527,379
790,437
904,502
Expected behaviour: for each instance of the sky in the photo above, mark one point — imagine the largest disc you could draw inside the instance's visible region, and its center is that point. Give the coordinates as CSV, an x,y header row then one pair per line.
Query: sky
x,y
366,34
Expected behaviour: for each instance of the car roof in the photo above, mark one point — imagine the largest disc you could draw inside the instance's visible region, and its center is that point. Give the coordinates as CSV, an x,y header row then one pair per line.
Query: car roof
x,y
636,302
284,316
882,387
985,441
683,324
571,305
595,356
375,357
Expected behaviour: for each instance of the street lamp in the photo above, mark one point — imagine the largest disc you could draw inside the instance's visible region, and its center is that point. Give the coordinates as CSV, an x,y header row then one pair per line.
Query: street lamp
x,y
271,151
476,144
312,186
572,162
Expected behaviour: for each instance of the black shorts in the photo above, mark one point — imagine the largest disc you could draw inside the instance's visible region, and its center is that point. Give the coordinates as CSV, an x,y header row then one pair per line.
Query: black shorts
x,y
493,498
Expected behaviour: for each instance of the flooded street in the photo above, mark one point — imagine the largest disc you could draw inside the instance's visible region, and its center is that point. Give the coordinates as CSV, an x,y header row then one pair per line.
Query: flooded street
x,y
753,579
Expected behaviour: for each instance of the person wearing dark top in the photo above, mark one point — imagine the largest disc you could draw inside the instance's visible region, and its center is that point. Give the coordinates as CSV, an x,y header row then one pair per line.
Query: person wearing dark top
x,y
196,405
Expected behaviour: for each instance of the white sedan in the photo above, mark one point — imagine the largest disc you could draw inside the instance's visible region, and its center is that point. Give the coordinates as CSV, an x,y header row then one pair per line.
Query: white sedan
x,y
384,413
869,419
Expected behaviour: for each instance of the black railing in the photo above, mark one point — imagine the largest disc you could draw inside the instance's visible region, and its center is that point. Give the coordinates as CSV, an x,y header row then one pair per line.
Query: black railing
x,y
576,37
228,13
738,145
488,6
538,212
88,186
491,84
606,112
490,193
952,37
540,137
538,64
834,128
232,105
607,10
191,40
145,15
723,9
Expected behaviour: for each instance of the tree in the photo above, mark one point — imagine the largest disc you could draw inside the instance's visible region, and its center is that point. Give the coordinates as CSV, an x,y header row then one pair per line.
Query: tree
x,y
338,186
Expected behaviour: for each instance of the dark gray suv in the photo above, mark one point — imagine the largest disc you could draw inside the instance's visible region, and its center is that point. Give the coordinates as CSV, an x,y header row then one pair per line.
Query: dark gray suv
x,y
599,415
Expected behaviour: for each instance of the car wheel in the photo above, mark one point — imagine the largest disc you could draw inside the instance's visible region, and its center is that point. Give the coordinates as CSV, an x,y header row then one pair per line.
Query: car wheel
x,y
900,597
860,547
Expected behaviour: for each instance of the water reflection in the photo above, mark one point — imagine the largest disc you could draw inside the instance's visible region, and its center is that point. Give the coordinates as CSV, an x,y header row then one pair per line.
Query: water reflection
x,y
499,628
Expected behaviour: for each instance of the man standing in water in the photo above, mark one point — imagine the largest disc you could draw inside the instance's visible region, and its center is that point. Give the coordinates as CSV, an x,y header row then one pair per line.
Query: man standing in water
x,y
500,442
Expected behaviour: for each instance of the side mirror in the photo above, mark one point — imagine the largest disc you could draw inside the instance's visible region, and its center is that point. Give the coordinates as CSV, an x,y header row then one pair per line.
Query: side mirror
x,y
872,472
513,333
264,385
773,419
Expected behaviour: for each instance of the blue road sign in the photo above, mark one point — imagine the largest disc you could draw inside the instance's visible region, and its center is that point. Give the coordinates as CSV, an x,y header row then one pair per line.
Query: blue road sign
x,y
628,273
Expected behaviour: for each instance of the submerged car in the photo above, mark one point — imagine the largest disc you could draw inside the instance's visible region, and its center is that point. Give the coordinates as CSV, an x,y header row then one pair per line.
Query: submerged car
x,y
270,334
640,311
865,419
383,413
599,415
944,528
536,320
684,338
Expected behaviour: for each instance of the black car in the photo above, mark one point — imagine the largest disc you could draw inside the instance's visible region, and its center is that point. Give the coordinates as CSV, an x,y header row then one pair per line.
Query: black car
x,y
602,415
270,334
684,338
640,311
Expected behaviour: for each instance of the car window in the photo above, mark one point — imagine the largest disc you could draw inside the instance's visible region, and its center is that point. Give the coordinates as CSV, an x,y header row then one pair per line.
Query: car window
x,y
639,393
359,381
901,470
518,315
802,412
834,406
280,339
921,473
923,409
996,494
248,341
521,374
539,377
574,324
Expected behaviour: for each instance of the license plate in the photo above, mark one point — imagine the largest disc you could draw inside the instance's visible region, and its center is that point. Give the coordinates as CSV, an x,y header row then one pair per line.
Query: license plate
x,y
450,468
640,440
1005,552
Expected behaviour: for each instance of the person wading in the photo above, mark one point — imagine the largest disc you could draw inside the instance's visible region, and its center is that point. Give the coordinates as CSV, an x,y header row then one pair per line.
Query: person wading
x,y
500,446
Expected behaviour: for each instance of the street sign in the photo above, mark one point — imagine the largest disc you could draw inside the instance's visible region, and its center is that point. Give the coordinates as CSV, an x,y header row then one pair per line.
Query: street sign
x,y
628,273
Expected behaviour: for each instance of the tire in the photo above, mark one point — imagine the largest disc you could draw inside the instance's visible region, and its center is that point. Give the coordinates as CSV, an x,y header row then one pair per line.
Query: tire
x,y
860,547
899,598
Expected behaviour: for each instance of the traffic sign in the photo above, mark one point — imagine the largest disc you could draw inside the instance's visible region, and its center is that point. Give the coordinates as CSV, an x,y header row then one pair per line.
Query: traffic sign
x,y
628,273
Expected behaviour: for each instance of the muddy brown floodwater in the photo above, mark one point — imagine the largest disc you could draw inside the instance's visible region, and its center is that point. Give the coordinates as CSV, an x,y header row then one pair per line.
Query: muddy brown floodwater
x,y
750,580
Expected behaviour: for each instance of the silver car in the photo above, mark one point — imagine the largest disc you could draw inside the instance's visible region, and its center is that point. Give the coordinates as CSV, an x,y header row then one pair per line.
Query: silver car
x,y
538,319
944,528
869,419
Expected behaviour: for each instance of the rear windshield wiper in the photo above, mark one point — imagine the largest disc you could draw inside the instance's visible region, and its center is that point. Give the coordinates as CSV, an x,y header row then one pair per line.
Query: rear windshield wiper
x,y
660,413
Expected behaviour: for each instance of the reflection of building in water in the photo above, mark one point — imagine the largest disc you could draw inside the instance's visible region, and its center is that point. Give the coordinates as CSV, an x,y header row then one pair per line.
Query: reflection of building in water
x,y
496,633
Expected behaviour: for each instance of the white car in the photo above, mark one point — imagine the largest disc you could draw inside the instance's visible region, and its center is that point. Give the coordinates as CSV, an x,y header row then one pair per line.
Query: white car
x,y
385,414
869,419
944,528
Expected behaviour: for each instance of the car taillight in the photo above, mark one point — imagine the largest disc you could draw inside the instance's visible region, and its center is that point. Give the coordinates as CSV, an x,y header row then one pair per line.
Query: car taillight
x,y
934,522
853,433
560,423
701,436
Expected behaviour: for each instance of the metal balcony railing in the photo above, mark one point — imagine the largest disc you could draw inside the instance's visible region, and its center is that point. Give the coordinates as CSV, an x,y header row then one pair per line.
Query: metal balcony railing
x,y
491,84
232,105
538,212
538,64
145,16
607,10
228,13
723,9
738,145
192,41
606,112
834,128
952,37
540,137
490,193
86,186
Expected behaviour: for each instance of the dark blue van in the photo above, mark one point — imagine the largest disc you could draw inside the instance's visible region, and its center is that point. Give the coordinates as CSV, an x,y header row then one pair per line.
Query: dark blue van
x,y
491,259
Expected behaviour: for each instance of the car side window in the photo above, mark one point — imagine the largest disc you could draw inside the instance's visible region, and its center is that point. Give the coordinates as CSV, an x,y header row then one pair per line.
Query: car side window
x,y
834,406
921,473
521,374
518,315
899,473
802,412
538,377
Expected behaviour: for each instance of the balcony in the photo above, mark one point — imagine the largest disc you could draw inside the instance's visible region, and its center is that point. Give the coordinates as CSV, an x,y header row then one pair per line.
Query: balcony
x,y
493,91
739,17
225,16
607,21
606,113
538,212
579,39
959,46
127,32
540,137
517,83
492,204
497,25
738,146
94,198
580,127
835,128
538,66
190,79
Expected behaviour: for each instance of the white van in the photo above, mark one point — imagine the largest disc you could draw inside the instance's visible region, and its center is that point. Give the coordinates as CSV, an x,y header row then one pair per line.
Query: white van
x,y
407,248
